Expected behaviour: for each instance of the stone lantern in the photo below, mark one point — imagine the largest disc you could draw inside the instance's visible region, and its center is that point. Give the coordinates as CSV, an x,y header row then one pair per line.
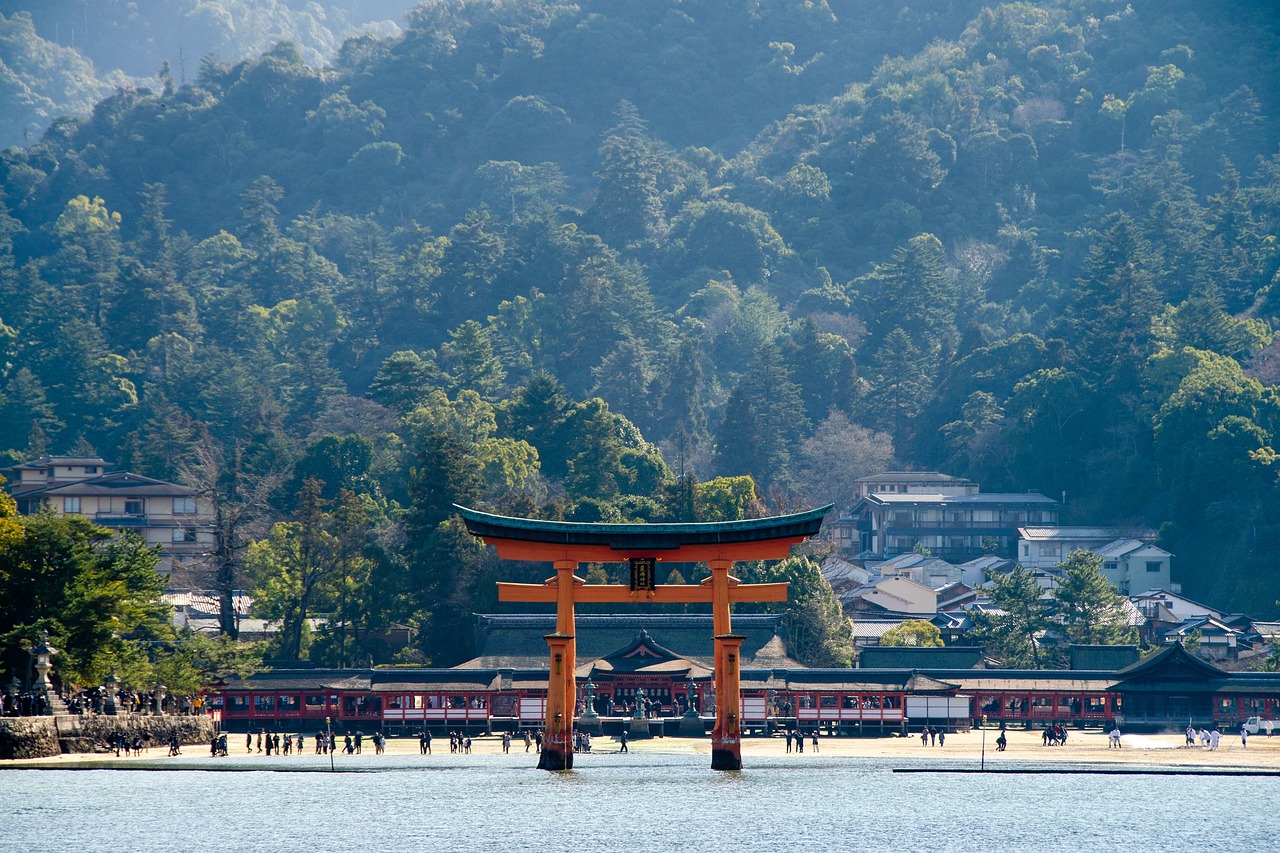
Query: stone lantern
x,y
590,721
638,727
692,710
110,687
161,692
42,654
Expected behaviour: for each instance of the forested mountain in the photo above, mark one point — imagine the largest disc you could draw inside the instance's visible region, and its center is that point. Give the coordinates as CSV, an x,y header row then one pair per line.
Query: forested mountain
x,y
59,57
547,257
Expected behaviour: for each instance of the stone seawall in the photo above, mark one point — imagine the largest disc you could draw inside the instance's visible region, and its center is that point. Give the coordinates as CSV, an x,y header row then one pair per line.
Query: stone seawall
x,y
43,737
28,737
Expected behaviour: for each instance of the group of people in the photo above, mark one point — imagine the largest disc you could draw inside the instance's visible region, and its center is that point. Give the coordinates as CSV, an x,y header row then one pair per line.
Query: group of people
x,y
933,736
797,737
1211,739
1054,735
123,743
28,703
581,741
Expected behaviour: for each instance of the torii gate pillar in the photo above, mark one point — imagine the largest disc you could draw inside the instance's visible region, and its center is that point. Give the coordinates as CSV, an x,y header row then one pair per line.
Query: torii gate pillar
x,y
557,736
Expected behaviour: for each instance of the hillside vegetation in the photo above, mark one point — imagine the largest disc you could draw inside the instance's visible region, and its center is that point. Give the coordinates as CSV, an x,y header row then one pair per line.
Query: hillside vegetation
x,y
547,258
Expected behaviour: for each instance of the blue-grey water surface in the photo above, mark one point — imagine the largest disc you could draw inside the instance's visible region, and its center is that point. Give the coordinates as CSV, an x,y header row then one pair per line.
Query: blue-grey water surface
x,y
637,803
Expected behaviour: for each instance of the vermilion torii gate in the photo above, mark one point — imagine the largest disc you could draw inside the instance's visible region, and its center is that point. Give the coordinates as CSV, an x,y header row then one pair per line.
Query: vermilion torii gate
x,y
566,544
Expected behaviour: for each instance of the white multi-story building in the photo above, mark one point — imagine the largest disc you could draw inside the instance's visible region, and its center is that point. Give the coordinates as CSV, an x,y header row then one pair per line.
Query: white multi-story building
x,y
899,512
169,515
1129,560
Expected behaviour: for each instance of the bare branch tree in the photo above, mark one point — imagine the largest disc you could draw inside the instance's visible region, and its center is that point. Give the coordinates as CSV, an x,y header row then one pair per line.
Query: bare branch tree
x,y
242,513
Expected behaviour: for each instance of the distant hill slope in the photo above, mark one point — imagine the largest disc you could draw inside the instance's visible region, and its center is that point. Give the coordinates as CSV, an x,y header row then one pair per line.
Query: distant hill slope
x,y
1032,244
49,65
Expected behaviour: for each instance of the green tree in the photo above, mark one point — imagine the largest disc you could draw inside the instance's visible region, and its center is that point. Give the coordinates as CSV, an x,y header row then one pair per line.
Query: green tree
x,y
728,499
913,632
537,413
99,597
628,205
818,634
900,378
1115,302
1088,606
470,363
404,379
293,570
1012,630
915,291
763,421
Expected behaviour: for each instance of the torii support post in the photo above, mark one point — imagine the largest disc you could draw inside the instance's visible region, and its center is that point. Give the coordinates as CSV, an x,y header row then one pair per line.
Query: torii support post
x,y
557,735
726,736
566,544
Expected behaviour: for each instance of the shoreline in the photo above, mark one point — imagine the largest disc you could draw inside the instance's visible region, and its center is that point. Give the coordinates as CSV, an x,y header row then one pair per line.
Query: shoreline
x,y
962,752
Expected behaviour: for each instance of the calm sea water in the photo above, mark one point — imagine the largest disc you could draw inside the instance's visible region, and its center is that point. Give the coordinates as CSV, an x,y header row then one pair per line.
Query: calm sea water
x,y
642,802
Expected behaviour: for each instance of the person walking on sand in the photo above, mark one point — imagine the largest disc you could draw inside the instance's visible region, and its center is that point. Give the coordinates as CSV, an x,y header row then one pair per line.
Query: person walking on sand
x,y
1244,736
942,737
1114,738
623,748
815,740
1001,742
1191,735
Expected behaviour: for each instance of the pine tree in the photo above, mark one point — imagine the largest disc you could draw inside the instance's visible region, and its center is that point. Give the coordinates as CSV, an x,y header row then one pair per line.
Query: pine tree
x,y
1090,609
763,422
900,380
628,206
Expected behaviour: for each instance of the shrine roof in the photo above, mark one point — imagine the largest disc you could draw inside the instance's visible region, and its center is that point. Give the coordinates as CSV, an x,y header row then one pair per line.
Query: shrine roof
x,y
633,537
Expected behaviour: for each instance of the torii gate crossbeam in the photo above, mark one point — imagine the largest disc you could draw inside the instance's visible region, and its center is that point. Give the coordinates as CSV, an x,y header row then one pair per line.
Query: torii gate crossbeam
x,y
567,544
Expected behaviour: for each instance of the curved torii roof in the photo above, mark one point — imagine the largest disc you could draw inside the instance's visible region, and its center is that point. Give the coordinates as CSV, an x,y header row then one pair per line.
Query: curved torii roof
x,y
534,539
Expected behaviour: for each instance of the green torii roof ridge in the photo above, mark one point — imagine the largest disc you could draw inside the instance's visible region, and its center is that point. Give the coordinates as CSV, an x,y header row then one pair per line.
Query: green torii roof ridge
x,y
660,536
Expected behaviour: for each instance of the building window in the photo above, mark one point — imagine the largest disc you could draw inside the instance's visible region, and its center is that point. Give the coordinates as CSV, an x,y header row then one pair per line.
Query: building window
x,y
91,469
184,506
1111,567
1047,550
184,534
1154,566
133,506
71,505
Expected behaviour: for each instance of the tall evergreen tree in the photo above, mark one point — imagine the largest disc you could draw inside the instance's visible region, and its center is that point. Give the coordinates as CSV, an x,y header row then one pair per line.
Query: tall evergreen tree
x,y
900,378
628,205
763,421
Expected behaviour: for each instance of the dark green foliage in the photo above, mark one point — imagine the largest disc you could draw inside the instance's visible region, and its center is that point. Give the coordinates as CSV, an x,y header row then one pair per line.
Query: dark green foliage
x,y
1035,246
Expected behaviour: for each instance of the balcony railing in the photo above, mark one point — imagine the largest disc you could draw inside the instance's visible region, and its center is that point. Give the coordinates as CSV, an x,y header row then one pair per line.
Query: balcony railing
x,y
950,524
144,519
